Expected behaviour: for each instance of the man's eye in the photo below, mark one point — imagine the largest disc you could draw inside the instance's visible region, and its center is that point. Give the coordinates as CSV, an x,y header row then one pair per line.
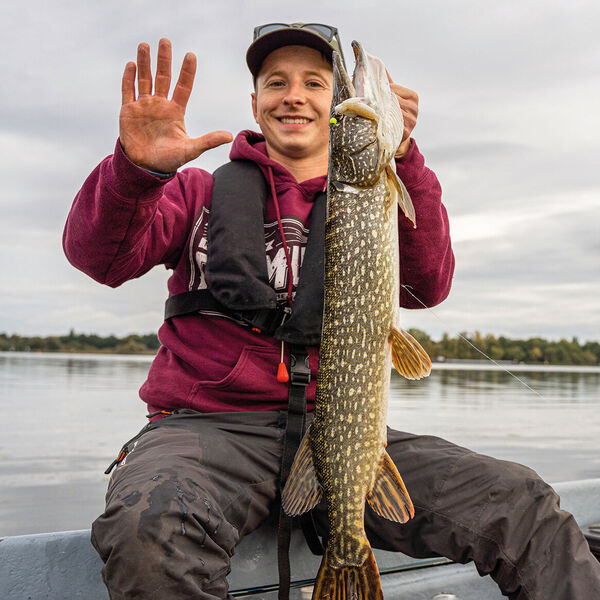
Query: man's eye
x,y
275,83
315,84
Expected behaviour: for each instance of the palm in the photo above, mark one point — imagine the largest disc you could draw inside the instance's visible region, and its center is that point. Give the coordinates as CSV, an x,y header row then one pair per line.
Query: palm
x,y
151,127
153,133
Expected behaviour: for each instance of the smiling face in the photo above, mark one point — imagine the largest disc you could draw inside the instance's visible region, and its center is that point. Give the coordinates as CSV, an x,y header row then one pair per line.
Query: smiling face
x,y
292,102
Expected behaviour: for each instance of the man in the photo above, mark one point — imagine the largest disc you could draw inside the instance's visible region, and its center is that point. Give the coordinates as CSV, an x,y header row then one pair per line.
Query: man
x,y
195,481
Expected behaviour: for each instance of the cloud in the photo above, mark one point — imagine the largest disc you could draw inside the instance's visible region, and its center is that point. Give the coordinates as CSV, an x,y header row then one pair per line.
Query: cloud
x,y
526,213
508,121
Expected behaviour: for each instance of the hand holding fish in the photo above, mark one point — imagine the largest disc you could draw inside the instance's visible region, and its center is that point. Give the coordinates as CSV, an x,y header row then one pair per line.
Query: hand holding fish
x,y
409,103
151,127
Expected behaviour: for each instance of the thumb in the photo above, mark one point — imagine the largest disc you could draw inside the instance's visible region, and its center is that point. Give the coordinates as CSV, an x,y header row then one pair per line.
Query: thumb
x,y
389,76
196,146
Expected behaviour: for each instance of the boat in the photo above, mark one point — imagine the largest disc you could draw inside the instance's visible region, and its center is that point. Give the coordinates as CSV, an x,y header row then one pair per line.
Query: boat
x,y
64,565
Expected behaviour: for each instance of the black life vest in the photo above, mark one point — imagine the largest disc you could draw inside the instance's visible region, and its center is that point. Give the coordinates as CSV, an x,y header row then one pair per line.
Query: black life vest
x,y
236,268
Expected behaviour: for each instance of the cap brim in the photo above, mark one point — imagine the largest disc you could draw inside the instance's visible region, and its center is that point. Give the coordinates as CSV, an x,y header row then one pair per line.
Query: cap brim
x,y
264,45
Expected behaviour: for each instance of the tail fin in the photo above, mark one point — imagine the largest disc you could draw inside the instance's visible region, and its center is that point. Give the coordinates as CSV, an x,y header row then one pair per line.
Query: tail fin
x,y
348,582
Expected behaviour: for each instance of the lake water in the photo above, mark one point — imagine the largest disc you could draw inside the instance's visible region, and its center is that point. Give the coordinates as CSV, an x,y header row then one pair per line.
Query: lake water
x,y
63,418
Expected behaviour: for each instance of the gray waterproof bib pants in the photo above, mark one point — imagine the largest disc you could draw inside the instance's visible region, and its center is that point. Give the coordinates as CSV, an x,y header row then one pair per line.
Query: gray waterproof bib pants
x,y
195,485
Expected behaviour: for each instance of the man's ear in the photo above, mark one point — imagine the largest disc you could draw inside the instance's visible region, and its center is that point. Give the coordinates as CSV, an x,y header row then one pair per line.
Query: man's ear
x,y
253,96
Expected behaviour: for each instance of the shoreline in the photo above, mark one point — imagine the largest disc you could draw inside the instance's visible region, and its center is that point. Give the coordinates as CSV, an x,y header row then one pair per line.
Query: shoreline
x,y
454,364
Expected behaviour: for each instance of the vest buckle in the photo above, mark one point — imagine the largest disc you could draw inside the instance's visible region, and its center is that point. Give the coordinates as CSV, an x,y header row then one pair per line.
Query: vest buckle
x,y
299,368
265,320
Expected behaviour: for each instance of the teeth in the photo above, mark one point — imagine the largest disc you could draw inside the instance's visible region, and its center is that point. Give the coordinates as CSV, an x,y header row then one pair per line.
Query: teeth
x,y
297,120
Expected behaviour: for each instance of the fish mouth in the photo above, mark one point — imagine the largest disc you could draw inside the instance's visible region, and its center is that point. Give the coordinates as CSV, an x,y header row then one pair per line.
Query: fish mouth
x,y
356,96
343,89
360,85
359,77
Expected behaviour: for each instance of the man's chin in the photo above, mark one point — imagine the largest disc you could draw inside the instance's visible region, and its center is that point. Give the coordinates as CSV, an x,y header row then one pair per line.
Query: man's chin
x,y
296,149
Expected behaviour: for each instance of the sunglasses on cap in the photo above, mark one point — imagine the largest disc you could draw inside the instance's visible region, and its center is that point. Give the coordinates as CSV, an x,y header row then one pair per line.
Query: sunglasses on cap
x,y
326,32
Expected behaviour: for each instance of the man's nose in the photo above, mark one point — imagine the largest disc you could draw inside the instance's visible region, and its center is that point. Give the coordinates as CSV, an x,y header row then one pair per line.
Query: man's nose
x,y
295,94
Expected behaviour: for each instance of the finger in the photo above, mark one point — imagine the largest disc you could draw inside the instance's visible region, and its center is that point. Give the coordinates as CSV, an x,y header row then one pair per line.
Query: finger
x,y
404,92
128,84
410,120
183,89
408,105
410,111
162,81
143,68
389,76
197,146
408,129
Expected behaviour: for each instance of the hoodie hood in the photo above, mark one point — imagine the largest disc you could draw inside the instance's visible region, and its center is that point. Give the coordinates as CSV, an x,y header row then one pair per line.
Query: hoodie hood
x,y
251,145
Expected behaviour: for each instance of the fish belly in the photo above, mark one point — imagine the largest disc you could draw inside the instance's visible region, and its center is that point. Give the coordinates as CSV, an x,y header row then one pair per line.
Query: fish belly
x,y
348,431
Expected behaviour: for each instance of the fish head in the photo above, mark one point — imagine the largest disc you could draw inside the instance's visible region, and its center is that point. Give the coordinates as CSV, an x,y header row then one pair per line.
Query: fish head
x,y
366,121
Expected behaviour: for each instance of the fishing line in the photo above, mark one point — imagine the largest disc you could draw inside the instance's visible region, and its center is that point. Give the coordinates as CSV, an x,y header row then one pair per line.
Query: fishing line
x,y
462,337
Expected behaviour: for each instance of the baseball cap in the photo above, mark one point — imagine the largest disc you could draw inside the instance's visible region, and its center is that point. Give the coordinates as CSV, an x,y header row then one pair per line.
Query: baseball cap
x,y
271,36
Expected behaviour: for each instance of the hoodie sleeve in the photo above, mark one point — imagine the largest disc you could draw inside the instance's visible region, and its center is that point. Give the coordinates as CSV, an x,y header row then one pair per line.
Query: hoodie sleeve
x,y
124,220
426,257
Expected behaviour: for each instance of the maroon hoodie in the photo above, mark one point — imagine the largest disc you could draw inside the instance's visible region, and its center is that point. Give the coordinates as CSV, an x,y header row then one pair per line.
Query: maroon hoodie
x,y
124,221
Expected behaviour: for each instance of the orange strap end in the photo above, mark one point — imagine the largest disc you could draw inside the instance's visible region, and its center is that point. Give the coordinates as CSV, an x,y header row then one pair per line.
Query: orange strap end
x,y
282,373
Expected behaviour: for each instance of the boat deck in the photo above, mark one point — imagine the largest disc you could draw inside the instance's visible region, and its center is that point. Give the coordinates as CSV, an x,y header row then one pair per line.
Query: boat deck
x,y
64,565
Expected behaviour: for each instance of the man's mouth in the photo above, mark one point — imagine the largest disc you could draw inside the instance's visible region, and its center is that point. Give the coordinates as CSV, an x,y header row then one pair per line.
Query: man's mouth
x,y
294,120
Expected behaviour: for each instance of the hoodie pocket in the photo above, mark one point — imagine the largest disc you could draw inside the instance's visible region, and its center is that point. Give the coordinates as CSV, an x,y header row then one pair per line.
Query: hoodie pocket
x,y
253,377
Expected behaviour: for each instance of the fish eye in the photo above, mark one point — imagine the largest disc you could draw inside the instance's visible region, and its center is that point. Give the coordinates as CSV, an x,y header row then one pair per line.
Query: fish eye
x,y
336,119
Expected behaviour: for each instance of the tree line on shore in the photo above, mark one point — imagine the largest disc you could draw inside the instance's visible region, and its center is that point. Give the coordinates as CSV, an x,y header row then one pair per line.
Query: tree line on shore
x,y
81,342
537,350
467,346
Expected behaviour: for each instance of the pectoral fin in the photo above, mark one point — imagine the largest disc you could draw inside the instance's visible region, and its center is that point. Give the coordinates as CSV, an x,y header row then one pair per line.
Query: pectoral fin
x,y
389,498
409,358
395,184
302,491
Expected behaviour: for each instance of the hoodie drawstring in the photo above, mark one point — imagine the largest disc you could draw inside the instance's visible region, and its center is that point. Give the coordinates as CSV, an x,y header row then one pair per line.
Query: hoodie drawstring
x,y
282,372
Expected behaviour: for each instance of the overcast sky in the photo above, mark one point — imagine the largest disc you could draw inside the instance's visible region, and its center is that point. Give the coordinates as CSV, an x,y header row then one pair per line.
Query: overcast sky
x,y
509,120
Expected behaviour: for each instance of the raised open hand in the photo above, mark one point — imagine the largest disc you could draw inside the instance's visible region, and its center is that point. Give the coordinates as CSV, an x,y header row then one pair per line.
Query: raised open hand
x,y
151,127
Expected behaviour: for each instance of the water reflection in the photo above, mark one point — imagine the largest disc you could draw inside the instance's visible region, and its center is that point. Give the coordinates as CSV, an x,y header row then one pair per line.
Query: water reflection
x,y
463,385
66,416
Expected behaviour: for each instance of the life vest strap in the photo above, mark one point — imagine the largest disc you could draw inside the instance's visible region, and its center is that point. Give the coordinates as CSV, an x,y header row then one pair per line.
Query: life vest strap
x,y
265,320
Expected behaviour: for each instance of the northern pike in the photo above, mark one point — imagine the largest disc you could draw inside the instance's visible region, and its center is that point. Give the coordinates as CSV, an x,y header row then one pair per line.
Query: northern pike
x,y
342,455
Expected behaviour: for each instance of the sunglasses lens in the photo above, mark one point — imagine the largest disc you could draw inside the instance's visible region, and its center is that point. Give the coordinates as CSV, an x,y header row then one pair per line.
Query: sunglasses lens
x,y
268,29
323,30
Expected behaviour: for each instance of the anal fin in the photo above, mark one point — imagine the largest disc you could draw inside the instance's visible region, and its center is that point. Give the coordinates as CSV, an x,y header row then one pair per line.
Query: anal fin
x,y
389,497
408,356
302,490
